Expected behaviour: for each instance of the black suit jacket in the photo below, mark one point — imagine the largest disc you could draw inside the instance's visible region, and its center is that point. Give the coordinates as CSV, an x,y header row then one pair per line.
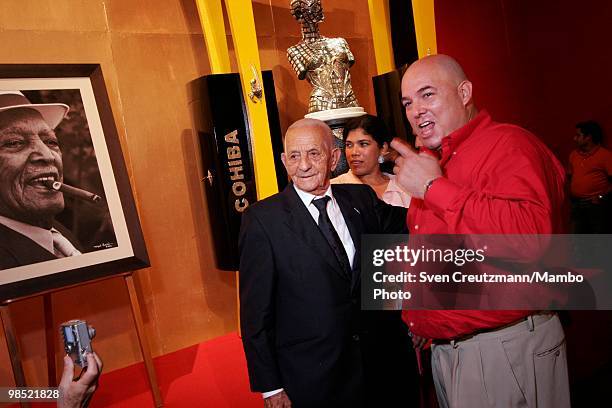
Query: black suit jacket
x,y
17,249
300,312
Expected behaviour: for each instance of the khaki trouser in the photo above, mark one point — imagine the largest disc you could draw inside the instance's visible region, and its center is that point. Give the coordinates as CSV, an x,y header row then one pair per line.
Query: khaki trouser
x,y
523,365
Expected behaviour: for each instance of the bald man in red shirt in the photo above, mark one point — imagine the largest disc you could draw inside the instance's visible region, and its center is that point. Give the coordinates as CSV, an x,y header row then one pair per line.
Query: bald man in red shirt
x,y
477,176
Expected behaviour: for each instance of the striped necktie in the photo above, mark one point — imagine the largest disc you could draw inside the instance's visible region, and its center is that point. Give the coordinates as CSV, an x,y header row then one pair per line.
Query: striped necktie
x,y
61,246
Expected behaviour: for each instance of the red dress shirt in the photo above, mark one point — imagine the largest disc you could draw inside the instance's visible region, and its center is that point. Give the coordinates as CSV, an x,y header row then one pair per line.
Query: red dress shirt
x,y
497,179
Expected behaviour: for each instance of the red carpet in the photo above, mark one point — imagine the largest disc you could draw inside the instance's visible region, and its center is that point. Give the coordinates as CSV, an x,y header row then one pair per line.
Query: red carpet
x,y
210,374
213,374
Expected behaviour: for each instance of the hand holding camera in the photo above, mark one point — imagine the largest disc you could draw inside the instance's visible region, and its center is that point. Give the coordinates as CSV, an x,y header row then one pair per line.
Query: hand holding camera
x,y
77,392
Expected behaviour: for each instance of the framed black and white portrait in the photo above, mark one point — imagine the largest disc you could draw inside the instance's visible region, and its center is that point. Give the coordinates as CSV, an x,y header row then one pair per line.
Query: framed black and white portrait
x,y
67,213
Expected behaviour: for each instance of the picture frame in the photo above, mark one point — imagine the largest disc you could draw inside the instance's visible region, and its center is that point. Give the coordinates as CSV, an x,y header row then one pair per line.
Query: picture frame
x,y
108,232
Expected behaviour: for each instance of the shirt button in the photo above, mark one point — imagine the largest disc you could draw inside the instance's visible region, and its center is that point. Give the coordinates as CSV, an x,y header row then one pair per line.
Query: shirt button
x,y
411,324
356,337
416,227
454,153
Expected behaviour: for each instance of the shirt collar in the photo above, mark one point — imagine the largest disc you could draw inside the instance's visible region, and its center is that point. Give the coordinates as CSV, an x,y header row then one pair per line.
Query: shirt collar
x,y
589,153
308,197
393,186
39,235
352,177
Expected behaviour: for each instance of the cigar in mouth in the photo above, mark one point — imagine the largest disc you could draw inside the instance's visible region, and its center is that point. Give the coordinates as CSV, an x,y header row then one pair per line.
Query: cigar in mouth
x,y
73,191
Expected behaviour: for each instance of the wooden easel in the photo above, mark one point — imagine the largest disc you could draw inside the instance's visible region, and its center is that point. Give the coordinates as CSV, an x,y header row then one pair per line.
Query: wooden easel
x,y
13,348
52,333
142,340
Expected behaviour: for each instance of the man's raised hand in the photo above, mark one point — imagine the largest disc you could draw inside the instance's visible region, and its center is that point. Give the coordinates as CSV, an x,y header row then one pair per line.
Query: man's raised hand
x,y
413,170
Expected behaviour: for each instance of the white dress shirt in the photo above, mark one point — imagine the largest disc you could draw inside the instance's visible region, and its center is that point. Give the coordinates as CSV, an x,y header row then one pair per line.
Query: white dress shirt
x,y
335,216
337,220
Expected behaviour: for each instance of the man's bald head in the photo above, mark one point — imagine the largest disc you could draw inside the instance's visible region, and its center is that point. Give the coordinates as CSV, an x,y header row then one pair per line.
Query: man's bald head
x,y
314,125
437,97
446,66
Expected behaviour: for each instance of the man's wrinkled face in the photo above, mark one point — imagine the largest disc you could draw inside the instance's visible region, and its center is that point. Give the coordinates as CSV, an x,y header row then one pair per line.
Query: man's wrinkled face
x,y
29,157
309,158
433,104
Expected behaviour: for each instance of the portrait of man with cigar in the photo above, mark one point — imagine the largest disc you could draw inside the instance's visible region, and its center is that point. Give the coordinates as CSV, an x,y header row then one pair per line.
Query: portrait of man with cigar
x,y
32,189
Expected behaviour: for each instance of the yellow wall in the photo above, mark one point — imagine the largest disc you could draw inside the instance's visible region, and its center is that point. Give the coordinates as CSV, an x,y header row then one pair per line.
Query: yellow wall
x,y
149,51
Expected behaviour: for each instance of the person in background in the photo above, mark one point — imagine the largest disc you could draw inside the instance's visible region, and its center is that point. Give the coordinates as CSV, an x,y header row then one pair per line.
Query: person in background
x,y
590,169
366,141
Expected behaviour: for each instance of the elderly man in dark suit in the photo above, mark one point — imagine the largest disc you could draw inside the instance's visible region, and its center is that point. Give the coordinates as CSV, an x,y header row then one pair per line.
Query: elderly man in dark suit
x,y
302,327
30,159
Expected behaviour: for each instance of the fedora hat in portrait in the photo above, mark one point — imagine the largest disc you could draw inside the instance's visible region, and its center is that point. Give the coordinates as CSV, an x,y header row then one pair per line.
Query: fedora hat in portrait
x,y
52,113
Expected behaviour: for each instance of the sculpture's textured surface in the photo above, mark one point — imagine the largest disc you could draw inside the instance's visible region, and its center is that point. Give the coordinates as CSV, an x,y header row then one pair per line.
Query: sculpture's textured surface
x,y
324,62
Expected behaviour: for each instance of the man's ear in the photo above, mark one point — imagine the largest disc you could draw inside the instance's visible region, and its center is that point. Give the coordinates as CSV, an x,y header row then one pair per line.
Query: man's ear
x,y
335,158
284,160
465,92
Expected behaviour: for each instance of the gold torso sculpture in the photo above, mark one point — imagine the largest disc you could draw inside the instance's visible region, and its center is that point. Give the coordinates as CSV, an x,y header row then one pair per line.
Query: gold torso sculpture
x,y
323,62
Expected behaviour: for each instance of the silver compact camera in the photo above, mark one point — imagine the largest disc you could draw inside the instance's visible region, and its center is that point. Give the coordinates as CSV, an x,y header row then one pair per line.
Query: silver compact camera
x,y
77,335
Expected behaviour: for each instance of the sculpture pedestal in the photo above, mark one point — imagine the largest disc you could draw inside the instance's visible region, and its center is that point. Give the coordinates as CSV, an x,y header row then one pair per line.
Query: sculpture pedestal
x,y
336,119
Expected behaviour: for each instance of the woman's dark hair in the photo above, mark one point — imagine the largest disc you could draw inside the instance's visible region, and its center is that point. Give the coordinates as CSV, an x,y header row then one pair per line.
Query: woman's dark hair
x,y
591,128
371,125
